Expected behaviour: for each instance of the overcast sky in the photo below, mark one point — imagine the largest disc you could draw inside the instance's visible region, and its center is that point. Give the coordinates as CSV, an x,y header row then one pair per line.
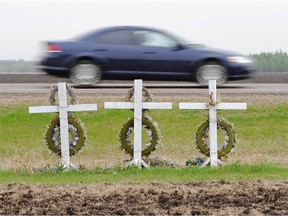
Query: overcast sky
x,y
243,26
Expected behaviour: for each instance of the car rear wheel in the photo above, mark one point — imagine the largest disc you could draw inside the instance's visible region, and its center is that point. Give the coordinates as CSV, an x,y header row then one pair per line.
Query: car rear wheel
x,y
85,73
211,71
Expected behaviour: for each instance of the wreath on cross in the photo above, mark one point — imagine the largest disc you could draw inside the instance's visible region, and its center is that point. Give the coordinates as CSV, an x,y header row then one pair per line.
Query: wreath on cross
x,y
76,129
150,126
228,133
223,125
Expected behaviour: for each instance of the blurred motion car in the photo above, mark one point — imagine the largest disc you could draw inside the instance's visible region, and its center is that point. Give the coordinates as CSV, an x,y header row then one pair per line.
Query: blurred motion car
x,y
131,52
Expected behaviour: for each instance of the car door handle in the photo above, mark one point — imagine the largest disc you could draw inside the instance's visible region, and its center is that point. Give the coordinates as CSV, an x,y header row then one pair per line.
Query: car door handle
x,y
100,50
149,52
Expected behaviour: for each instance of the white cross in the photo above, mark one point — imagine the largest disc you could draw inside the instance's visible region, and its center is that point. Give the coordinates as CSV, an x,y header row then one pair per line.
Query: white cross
x,y
63,110
138,105
213,106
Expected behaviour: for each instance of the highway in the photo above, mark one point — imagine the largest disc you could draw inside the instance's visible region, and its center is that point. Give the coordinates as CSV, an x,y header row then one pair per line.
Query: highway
x,y
40,82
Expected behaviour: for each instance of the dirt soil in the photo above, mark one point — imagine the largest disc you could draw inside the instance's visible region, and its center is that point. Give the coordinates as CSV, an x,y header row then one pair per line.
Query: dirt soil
x,y
196,198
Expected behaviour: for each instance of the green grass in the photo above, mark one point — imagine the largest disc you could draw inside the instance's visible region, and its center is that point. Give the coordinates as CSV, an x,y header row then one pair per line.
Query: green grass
x,y
262,139
159,174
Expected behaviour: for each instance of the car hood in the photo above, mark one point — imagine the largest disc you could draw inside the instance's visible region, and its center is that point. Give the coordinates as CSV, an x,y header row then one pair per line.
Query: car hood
x,y
216,51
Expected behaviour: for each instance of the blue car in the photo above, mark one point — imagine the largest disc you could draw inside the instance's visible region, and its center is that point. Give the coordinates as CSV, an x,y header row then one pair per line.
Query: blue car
x,y
141,53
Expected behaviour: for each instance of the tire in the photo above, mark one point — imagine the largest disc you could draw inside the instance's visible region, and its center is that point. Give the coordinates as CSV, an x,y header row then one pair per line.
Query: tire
x,y
211,71
126,131
76,132
85,73
202,135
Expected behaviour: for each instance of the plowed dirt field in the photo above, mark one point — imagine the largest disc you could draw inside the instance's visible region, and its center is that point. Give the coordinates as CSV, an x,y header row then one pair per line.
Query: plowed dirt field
x,y
198,198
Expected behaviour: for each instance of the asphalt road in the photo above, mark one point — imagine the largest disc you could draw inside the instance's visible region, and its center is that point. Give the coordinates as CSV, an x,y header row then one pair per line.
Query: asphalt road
x,y
261,83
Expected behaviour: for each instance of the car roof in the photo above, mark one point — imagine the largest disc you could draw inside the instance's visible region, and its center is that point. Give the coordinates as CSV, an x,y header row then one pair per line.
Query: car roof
x,y
128,28
99,31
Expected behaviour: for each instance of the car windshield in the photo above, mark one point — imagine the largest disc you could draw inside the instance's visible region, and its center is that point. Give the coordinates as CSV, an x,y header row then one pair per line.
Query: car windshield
x,y
183,41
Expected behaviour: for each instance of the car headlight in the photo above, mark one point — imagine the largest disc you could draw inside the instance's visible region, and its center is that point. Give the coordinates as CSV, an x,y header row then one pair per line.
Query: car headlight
x,y
239,59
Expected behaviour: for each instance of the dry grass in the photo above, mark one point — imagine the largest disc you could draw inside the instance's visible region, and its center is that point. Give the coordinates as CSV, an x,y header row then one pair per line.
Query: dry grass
x,y
100,96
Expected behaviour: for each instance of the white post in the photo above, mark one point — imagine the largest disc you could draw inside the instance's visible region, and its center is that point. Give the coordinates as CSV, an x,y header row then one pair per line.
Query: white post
x,y
63,115
213,123
138,105
138,123
63,110
213,106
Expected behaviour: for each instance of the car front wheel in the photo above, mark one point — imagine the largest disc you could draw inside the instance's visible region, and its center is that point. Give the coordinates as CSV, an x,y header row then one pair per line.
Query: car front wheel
x,y
211,71
85,73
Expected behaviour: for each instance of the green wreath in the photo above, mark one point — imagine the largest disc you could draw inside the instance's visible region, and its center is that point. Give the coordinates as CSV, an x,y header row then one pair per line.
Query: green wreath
x,y
147,96
151,129
77,135
70,91
202,136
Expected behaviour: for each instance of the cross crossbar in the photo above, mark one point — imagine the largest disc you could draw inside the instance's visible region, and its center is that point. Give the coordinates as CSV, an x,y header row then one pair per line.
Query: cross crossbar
x,y
70,108
222,106
130,105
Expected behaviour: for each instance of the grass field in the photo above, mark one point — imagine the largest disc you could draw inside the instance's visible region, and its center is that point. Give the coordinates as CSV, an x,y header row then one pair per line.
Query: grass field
x,y
261,136
234,172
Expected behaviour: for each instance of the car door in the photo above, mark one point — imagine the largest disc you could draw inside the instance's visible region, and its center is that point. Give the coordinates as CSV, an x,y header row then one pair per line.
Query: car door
x,y
118,48
159,55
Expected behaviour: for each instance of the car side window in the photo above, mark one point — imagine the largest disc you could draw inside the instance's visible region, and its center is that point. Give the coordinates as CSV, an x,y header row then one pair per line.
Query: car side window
x,y
154,39
117,37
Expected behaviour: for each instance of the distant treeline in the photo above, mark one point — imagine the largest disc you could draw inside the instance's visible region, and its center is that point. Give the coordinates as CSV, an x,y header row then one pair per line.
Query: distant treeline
x,y
265,62
271,62
20,65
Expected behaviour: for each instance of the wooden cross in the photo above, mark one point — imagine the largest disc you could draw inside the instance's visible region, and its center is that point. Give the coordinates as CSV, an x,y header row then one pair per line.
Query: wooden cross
x,y
138,106
63,108
213,106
